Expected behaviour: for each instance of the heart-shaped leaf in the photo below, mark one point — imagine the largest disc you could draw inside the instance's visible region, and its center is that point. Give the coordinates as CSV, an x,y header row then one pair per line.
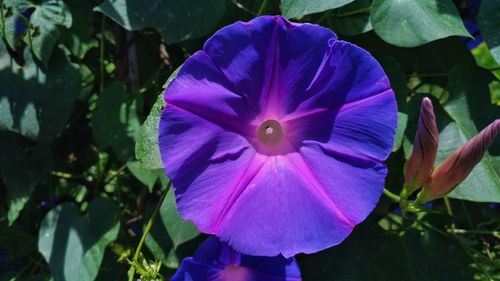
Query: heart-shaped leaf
x,y
36,102
36,23
409,23
147,150
175,20
74,246
44,30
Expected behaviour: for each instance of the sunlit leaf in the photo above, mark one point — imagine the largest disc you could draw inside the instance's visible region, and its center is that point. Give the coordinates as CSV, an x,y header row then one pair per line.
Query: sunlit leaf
x,y
36,102
175,20
489,23
147,150
72,245
43,29
408,23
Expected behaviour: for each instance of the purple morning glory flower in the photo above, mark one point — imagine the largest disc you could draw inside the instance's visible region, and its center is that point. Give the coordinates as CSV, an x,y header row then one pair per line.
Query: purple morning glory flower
x,y
274,136
216,261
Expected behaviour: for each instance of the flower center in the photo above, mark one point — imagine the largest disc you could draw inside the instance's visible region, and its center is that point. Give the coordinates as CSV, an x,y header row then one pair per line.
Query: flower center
x,y
270,132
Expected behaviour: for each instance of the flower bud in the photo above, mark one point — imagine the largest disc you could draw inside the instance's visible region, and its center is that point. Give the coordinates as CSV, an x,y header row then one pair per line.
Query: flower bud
x,y
459,165
418,167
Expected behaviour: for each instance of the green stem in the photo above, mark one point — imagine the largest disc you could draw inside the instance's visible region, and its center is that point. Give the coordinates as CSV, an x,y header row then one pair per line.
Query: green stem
x,y
449,210
262,7
151,220
63,175
391,196
101,57
404,192
473,231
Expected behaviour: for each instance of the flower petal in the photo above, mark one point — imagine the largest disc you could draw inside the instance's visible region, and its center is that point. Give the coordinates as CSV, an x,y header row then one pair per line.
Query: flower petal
x,y
281,212
348,74
273,266
354,183
244,54
300,51
195,169
215,260
362,129
191,270
203,90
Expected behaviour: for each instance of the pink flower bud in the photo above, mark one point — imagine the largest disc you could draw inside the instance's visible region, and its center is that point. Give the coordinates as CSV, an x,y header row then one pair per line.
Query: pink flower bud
x,y
458,166
418,167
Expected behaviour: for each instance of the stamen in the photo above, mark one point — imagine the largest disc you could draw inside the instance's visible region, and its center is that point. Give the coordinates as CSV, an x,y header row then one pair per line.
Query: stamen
x,y
270,132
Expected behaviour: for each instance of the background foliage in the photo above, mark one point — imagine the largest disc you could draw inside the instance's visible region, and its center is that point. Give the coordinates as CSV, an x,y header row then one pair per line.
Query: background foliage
x,y
79,109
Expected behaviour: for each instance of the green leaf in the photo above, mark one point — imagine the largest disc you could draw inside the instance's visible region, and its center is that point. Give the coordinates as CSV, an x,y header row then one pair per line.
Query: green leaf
x,y
36,102
400,131
54,11
488,22
44,32
115,122
10,13
299,8
145,176
353,18
175,20
471,110
408,23
22,169
78,39
169,232
2,20
147,150
73,246
485,59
